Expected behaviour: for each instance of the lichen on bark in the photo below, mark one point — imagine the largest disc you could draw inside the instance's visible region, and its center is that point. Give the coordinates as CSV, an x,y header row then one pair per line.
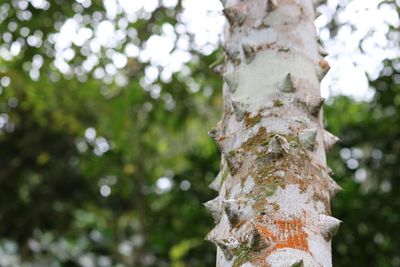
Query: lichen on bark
x,y
274,188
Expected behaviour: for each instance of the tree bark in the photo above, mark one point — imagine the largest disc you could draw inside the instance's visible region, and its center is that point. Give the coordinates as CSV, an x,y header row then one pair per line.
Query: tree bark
x,y
273,207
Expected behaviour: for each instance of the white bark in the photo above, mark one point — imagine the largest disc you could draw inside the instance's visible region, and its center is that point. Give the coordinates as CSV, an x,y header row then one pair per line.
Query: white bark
x,y
273,207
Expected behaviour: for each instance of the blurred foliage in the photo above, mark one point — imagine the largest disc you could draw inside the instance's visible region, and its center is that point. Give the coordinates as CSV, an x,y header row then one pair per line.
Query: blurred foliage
x,y
100,167
96,172
367,166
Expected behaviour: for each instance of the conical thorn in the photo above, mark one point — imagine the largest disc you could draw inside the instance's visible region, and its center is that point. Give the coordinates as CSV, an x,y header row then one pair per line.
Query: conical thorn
x,y
322,51
249,51
232,80
329,140
287,84
278,146
236,14
212,235
258,242
330,171
228,246
239,109
213,133
329,226
308,138
217,182
234,160
322,69
214,206
333,187
314,106
232,207
218,69
271,5
231,51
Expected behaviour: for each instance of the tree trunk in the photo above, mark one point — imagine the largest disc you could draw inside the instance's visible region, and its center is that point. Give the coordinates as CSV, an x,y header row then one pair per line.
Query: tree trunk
x,y
273,207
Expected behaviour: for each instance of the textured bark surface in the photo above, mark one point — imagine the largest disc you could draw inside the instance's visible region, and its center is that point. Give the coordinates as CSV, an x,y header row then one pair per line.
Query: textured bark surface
x,y
273,207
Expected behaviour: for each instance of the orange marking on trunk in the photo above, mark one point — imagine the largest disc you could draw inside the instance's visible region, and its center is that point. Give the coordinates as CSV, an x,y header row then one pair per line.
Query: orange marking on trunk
x,y
288,234
264,232
292,235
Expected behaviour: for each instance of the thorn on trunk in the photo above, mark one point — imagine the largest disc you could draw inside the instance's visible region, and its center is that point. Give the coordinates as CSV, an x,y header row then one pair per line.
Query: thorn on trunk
x,y
232,207
236,14
322,51
278,146
232,80
322,69
233,160
287,85
249,51
333,188
239,109
216,183
271,5
212,235
213,133
330,171
257,242
329,140
329,226
218,69
218,137
231,51
228,246
314,106
214,206
308,138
